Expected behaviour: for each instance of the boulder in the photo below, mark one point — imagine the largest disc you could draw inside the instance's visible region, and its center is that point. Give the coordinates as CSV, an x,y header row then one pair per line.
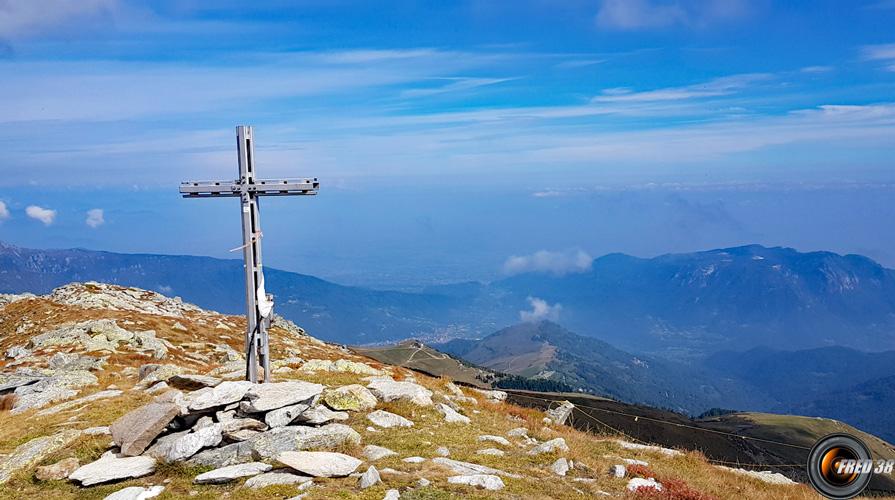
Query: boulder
x,y
136,493
487,481
392,495
60,470
372,452
220,395
284,416
442,451
549,447
231,454
266,397
135,430
388,420
320,463
111,467
518,432
232,473
560,467
319,414
190,382
386,389
33,452
618,471
561,413
183,445
353,397
270,444
369,478
275,478
450,415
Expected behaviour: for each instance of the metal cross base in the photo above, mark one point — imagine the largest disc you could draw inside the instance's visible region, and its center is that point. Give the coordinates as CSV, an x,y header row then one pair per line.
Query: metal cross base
x,y
259,304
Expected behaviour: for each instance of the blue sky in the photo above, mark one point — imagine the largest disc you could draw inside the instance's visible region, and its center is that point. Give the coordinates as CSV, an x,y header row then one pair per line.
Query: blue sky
x,y
423,119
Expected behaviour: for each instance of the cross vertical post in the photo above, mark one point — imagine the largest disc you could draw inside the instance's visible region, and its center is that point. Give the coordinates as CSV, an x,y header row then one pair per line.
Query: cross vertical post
x,y
259,305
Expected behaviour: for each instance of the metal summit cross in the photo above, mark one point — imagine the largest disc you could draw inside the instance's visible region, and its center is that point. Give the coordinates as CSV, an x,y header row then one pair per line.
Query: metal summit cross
x,y
259,305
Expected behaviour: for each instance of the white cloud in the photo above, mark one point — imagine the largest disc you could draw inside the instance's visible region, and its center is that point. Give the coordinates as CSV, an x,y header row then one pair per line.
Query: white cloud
x,y
95,218
540,310
544,261
4,212
713,88
884,53
25,17
647,14
44,215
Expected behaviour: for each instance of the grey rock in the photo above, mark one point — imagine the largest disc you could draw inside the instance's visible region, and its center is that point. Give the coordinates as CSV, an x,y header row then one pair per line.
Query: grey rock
x,y
561,413
491,451
442,451
494,439
40,399
413,460
230,454
549,447
560,467
518,432
319,463
388,420
232,473
190,382
353,397
136,493
495,396
392,495
111,467
135,430
467,468
98,431
276,478
487,481
369,478
617,470
60,470
319,414
386,389
423,483
372,452
9,381
450,415
341,365
639,482
183,445
266,397
220,395
284,416
78,402
275,441
34,451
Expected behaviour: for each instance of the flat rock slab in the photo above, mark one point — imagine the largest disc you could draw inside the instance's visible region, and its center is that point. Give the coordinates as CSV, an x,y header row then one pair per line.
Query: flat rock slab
x,y
388,390
468,468
266,397
639,482
487,481
292,438
388,420
136,493
451,416
558,444
282,417
190,382
320,463
80,401
494,439
319,414
111,467
276,478
33,452
58,471
232,473
372,452
231,454
353,397
220,395
134,431
183,445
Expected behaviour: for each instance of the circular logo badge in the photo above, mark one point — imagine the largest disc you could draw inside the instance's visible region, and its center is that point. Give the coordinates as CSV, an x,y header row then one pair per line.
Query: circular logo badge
x,y
840,466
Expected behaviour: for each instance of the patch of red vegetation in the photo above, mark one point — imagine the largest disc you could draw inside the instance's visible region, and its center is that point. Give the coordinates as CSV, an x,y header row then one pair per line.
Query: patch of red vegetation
x,y
672,489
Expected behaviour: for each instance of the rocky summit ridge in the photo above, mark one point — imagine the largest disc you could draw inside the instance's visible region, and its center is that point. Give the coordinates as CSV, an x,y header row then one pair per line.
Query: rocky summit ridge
x,y
120,393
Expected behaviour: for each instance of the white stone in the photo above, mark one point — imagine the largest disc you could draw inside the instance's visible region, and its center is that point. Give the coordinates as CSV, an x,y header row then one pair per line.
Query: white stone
x,y
618,471
369,478
550,447
232,473
111,467
639,482
560,467
266,397
320,463
136,493
220,395
491,451
450,415
518,432
388,420
468,468
183,445
442,451
494,439
388,390
413,460
645,447
276,478
392,495
372,452
487,481
765,476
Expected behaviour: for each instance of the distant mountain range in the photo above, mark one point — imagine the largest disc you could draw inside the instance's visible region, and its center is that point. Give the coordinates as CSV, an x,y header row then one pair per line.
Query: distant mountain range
x,y
679,306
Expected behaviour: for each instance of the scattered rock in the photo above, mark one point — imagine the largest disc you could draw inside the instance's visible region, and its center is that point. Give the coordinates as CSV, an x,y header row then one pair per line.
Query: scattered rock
x,y
560,467
232,473
369,478
372,452
413,460
183,445
319,463
271,443
423,482
220,395
111,467
766,476
550,447
266,397
645,447
518,432
491,451
388,420
388,390
319,414
467,468
353,397
78,402
230,454
487,481
28,454
494,439
639,482
495,396
60,470
93,295
618,471
135,430
561,413
136,493
442,451
98,431
450,415
284,416
190,382
392,495
276,478
341,365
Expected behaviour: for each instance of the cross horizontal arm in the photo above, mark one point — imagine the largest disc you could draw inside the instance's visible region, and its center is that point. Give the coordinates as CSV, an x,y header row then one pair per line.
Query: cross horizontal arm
x,y
261,187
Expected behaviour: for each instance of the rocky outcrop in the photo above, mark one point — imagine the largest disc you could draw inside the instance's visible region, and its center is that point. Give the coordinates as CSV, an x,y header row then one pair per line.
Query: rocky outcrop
x,y
561,413
93,295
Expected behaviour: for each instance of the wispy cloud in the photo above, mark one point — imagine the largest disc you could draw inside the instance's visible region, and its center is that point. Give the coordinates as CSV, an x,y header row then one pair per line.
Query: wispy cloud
x,y
4,212
95,218
22,18
455,84
545,261
540,310
713,88
651,14
882,52
44,215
